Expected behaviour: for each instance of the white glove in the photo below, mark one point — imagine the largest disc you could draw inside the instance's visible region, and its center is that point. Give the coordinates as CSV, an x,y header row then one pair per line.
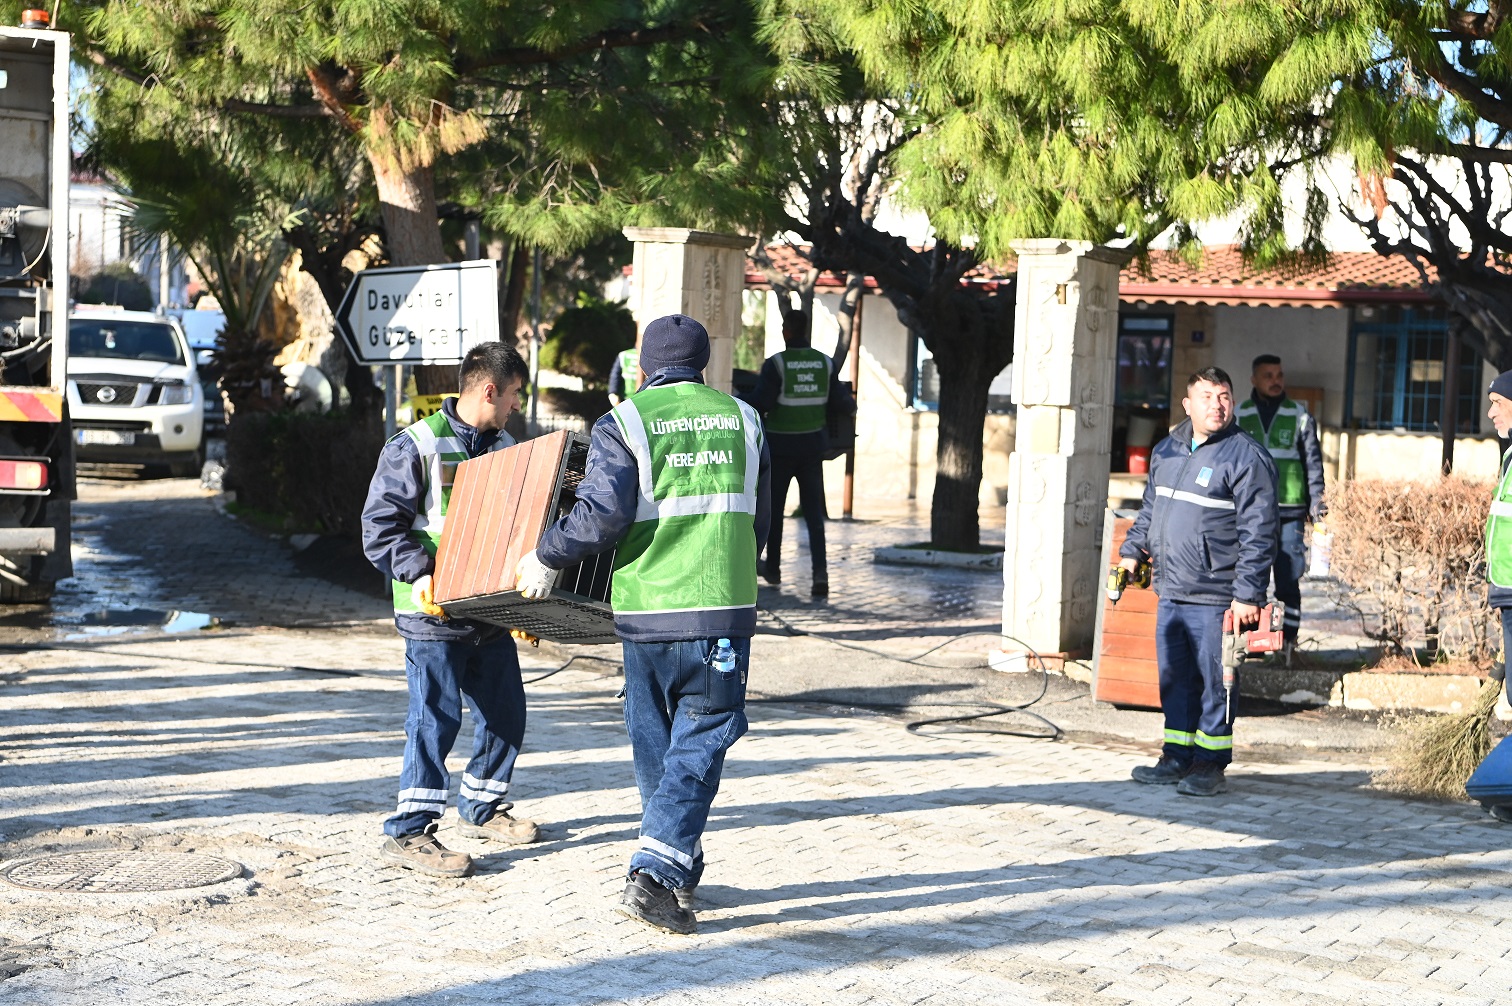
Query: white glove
x,y
533,580
425,597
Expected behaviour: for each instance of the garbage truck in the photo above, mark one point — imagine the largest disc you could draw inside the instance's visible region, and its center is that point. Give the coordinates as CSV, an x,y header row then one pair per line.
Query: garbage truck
x,y
36,442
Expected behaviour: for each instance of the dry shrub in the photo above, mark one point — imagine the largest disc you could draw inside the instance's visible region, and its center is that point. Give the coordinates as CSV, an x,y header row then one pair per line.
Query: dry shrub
x,y
1436,754
1410,560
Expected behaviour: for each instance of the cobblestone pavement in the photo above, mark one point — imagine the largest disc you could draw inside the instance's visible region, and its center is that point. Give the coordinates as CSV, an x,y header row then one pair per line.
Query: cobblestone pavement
x,y
851,861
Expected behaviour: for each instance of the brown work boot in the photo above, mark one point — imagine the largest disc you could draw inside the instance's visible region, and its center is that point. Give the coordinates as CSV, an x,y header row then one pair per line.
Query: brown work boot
x,y
423,854
502,828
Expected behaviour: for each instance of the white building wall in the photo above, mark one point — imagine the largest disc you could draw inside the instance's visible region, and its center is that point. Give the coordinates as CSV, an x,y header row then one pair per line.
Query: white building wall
x,y
1313,344
97,228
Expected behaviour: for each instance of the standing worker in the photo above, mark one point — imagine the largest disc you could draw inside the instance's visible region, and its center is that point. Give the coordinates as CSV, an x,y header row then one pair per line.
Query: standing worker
x,y
677,480
1499,535
793,393
1291,436
624,376
1208,523
447,659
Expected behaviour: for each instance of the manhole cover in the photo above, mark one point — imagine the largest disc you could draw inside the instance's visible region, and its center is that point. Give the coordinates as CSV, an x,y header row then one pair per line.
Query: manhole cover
x,y
120,872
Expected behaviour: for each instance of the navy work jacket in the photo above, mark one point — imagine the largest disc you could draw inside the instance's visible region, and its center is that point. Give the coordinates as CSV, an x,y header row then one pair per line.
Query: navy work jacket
x,y
1209,519
395,495
606,504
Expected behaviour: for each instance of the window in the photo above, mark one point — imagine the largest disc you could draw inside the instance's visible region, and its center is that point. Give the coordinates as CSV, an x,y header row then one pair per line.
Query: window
x,y
1396,372
151,342
1144,360
926,384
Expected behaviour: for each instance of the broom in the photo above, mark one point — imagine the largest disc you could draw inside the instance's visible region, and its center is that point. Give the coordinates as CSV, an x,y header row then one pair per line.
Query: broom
x,y
1436,754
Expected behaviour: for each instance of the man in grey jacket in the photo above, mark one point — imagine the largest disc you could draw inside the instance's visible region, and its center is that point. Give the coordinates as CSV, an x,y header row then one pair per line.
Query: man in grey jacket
x,y
1208,523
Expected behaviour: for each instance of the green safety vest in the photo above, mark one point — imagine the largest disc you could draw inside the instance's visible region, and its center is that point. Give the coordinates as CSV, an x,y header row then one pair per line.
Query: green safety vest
x,y
1281,440
441,451
692,546
805,390
1499,530
629,361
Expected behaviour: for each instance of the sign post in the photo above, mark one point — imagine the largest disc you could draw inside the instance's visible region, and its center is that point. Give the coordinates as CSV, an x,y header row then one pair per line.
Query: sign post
x,y
413,315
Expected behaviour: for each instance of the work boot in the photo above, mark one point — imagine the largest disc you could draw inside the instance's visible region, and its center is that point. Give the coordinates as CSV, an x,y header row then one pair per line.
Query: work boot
x,y
685,894
819,589
423,854
1502,814
1166,772
502,828
1205,779
770,573
653,904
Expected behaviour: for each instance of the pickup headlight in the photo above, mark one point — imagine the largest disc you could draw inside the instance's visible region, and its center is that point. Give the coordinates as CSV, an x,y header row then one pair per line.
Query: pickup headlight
x,y
176,394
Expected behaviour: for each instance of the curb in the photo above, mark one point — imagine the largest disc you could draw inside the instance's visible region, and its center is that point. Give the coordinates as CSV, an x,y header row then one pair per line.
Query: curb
x,y
894,555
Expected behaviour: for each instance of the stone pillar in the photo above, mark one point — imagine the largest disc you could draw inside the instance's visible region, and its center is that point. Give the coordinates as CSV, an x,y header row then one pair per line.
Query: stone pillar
x,y
696,273
1064,359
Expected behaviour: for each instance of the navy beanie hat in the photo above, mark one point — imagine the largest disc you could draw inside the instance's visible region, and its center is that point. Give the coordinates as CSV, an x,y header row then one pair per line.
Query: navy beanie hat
x,y
674,341
1503,384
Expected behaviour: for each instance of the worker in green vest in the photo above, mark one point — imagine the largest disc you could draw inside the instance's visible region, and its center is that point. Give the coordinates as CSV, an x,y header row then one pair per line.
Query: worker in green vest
x,y
677,483
1291,435
794,393
447,659
1499,535
624,376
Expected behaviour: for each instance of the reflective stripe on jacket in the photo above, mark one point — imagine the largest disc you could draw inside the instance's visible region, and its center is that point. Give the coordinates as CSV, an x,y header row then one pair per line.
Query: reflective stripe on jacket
x,y
1209,518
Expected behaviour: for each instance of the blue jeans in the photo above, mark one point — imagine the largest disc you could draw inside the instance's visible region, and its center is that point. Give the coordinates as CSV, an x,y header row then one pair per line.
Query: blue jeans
x,y
1290,567
682,716
440,674
1189,650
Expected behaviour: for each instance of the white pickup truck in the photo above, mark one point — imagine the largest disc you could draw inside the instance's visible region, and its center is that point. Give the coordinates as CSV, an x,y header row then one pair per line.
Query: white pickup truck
x,y
134,390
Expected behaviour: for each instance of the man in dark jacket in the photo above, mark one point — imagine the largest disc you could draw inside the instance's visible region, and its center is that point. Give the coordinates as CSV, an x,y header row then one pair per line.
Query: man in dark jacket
x,y
1286,429
1499,535
794,393
678,481
1208,523
447,659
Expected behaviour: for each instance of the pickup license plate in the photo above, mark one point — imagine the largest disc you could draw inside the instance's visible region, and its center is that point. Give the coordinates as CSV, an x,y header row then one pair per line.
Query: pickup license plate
x,y
113,438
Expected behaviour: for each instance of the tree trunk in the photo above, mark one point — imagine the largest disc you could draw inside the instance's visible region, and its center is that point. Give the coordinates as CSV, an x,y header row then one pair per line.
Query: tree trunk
x,y
412,236
518,266
970,335
855,286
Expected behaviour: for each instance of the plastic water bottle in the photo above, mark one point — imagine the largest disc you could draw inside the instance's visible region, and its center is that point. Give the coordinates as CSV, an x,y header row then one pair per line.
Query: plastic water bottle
x,y
1321,554
723,658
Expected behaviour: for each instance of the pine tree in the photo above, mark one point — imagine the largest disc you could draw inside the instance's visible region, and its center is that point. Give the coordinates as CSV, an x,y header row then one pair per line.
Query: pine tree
x,y
555,123
1417,94
1015,120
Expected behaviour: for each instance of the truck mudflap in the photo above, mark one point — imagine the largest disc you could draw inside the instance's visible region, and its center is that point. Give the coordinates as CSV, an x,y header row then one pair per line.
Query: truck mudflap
x,y
18,405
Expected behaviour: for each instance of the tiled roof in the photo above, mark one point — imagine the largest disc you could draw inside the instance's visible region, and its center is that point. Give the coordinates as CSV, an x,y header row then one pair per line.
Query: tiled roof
x,y
1222,277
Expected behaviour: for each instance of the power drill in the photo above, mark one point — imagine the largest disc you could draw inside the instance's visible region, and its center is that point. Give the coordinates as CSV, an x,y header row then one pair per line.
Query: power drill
x,y
1120,579
1267,637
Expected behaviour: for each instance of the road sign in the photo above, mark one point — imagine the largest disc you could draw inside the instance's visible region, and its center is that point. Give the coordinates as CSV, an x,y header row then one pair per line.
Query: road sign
x,y
421,314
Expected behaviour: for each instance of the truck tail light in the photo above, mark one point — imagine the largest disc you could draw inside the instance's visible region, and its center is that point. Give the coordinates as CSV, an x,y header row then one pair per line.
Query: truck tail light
x,y
26,475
